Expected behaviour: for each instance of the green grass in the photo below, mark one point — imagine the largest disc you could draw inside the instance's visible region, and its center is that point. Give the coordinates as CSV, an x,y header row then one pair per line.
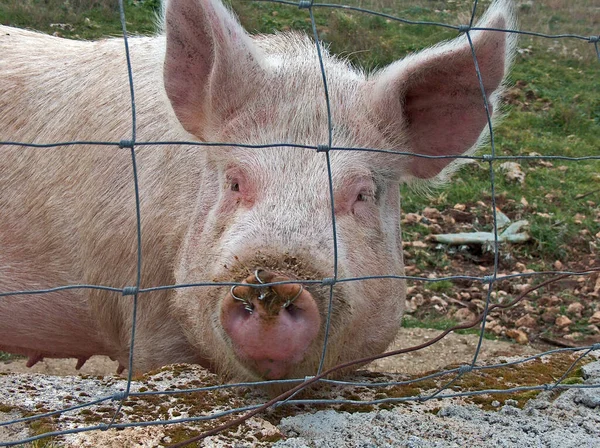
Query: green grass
x,y
442,323
554,110
8,357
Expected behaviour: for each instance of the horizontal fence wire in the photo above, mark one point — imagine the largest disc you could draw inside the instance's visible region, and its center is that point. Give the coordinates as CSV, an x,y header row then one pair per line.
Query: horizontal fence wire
x,y
296,385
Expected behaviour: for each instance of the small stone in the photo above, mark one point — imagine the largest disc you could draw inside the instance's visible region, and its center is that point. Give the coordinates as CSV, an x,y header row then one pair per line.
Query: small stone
x,y
463,315
412,218
461,207
562,321
513,172
409,306
520,337
449,220
575,309
520,266
436,229
436,300
593,329
418,299
550,301
558,265
431,213
573,336
526,321
595,319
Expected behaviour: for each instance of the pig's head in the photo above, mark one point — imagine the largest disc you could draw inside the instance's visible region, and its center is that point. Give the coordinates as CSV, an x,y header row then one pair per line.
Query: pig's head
x,y
264,215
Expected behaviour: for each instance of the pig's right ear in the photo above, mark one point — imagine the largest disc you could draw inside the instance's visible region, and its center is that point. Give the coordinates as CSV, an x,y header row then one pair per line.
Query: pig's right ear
x,y
210,63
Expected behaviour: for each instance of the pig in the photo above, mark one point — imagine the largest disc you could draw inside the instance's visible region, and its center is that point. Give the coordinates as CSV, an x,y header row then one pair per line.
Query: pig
x,y
257,219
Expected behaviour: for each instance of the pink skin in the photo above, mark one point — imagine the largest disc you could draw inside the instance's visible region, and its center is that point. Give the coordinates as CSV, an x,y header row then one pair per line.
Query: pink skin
x,y
272,337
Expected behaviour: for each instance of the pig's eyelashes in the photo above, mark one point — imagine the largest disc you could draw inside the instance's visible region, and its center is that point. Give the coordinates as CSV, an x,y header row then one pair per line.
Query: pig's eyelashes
x,y
363,197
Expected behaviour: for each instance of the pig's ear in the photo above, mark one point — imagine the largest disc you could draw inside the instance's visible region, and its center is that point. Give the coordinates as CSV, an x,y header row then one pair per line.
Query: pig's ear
x,y
210,63
431,102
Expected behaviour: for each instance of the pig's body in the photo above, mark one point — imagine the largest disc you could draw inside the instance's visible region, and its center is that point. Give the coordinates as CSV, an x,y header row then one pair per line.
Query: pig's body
x,y
212,214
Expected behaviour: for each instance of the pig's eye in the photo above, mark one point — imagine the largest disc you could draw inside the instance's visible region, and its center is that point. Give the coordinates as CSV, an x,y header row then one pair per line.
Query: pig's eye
x,y
364,196
235,186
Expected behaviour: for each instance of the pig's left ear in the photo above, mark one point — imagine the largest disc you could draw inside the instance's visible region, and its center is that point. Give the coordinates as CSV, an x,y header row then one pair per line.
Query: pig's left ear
x,y
431,103
211,64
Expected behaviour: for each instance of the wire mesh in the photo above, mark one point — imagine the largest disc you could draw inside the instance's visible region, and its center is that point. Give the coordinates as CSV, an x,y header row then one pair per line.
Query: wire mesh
x,y
450,376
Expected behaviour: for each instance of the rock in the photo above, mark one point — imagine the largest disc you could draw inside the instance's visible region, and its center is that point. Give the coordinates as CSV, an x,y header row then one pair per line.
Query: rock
x,y
520,337
558,265
449,220
436,300
464,315
520,266
411,218
575,309
526,321
593,329
513,172
548,317
573,336
562,321
431,213
550,301
595,319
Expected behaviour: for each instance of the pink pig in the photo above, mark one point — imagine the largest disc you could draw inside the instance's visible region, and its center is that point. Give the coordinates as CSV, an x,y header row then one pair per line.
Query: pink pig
x,y
224,213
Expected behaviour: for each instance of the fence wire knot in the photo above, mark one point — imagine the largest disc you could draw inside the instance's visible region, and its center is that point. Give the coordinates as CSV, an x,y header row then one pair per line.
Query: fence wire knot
x,y
118,396
126,144
487,279
465,369
328,281
487,157
594,39
130,290
595,346
305,4
323,148
464,28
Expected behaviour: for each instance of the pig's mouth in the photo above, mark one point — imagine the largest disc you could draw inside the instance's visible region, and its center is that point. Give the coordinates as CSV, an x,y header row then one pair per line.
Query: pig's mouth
x,y
271,328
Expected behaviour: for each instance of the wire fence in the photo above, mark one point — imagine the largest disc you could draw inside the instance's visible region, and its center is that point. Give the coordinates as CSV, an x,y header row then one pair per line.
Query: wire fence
x,y
448,378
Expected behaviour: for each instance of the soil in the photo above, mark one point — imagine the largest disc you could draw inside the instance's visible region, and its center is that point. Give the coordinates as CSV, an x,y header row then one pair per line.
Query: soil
x,y
564,313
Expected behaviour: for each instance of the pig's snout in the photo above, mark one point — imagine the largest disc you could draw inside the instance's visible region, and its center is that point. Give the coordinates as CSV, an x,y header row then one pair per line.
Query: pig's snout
x,y
271,327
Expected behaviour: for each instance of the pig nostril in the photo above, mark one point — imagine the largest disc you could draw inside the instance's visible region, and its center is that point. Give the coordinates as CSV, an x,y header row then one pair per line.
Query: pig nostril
x,y
289,302
248,306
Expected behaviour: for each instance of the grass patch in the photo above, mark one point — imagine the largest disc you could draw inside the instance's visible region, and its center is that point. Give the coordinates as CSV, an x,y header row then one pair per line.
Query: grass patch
x,y
9,356
442,323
